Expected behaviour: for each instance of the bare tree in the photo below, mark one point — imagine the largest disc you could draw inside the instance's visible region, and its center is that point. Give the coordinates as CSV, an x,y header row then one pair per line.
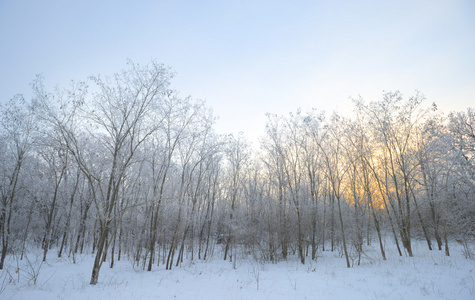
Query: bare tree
x,y
336,169
237,155
394,125
118,120
16,133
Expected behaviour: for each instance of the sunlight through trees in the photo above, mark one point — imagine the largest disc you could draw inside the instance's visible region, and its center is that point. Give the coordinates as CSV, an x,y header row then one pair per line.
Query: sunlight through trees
x,y
125,168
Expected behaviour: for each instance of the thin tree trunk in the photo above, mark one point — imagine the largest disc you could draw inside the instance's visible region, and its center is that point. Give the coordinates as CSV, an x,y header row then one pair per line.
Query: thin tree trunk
x,y
99,259
343,234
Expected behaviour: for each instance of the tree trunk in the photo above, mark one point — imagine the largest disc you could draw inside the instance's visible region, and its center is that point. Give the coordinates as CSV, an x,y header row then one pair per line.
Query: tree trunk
x,y
343,234
98,260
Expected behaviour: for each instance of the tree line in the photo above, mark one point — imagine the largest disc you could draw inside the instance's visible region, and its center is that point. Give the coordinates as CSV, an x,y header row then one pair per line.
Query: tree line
x,y
125,168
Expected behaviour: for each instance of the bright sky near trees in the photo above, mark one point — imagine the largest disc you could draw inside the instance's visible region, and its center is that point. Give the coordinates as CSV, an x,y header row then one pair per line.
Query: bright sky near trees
x,y
246,58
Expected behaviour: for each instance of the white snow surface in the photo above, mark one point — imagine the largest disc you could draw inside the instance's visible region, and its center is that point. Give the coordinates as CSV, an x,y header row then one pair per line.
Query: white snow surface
x,y
427,275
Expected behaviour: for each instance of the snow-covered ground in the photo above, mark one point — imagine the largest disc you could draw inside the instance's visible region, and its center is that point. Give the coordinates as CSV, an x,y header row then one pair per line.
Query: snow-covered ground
x,y
428,275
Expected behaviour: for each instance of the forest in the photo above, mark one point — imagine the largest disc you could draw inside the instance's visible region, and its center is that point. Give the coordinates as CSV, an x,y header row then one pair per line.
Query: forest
x,y
125,168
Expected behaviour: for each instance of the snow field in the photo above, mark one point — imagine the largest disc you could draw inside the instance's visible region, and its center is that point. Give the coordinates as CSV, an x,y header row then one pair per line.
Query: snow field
x,y
428,275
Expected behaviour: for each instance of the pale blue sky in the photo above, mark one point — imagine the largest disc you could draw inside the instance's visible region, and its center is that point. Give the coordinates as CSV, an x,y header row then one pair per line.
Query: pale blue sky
x,y
246,58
